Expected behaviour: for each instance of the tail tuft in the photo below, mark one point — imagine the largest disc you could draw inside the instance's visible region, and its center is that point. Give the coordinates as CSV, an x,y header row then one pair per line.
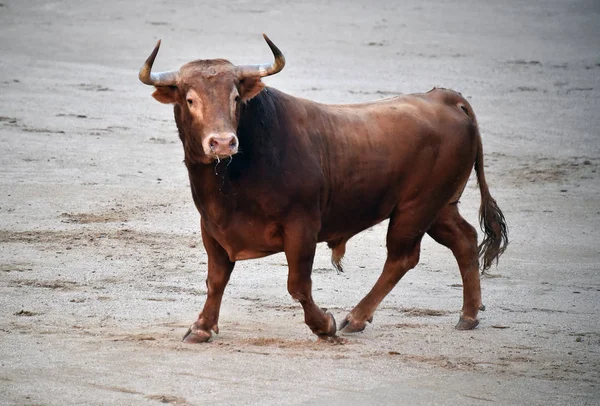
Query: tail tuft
x,y
495,231
491,219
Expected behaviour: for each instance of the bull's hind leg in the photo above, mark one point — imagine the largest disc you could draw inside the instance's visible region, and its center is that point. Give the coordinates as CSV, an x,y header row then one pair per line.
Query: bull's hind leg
x,y
403,245
453,231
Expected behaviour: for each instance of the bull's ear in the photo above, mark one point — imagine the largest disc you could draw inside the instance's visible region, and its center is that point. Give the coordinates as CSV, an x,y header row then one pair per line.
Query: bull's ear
x,y
250,87
165,94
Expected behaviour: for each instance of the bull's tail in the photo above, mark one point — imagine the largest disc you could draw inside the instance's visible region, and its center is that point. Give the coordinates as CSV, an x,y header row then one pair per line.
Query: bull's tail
x,y
491,219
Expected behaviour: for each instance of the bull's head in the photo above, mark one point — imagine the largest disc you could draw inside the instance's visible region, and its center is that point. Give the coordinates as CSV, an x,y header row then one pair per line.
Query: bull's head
x,y
207,95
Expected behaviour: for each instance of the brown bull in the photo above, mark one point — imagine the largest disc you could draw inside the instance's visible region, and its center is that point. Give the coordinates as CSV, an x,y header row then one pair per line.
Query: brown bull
x,y
270,172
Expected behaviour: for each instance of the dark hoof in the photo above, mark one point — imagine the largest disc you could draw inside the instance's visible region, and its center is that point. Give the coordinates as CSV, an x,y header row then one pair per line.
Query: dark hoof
x,y
349,325
332,328
195,336
482,308
329,330
466,323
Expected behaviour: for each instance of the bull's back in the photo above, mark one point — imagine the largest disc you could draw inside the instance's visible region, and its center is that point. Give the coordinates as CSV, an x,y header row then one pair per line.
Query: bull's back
x,y
396,154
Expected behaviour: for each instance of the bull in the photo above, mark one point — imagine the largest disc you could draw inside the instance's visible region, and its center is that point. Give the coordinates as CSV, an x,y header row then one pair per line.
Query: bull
x,y
272,173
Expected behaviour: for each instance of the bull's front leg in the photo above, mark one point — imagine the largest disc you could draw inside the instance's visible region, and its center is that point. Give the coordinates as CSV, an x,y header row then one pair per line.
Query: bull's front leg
x,y
219,271
300,243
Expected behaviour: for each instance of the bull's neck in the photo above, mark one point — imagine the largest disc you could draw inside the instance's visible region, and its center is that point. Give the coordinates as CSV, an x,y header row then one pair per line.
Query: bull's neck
x,y
256,161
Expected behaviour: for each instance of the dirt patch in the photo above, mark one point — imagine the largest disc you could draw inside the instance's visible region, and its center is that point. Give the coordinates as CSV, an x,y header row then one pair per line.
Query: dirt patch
x,y
173,400
437,361
115,389
551,170
54,285
135,337
408,325
26,313
420,312
16,267
283,343
86,218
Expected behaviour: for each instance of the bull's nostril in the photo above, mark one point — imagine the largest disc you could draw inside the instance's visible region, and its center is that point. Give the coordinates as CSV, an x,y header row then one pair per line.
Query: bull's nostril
x,y
222,145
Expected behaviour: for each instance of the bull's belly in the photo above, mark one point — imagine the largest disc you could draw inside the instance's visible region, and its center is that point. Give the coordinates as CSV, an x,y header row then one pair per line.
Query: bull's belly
x,y
261,240
343,231
342,222
249,240
250,250
250,254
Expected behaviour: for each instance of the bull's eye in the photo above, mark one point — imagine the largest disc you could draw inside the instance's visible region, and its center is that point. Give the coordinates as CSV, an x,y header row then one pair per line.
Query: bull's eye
x,y
190,102
237,99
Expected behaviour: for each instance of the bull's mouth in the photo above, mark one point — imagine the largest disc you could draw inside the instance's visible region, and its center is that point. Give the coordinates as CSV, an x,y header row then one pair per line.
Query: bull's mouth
x,y
219,157
210,157
213,156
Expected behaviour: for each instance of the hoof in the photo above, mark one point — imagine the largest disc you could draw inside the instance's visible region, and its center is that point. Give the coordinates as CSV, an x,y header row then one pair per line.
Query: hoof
x,y
329,330
331,327
482,308
195,336
349,325
466,323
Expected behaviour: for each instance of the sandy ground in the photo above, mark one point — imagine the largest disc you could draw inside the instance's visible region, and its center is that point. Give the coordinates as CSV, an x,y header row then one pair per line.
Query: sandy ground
x,y
101,264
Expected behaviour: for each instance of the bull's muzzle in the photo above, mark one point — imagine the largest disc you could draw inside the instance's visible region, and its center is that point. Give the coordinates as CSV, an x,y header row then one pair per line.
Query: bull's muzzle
x,y
221,145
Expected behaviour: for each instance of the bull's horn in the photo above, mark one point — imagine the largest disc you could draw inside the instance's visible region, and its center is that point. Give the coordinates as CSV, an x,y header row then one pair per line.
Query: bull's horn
x,y
160,78
264,69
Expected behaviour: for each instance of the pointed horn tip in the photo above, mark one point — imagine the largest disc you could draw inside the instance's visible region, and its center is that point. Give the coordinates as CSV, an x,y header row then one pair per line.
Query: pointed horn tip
x,y
145,73
276,51
271,44
156,47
